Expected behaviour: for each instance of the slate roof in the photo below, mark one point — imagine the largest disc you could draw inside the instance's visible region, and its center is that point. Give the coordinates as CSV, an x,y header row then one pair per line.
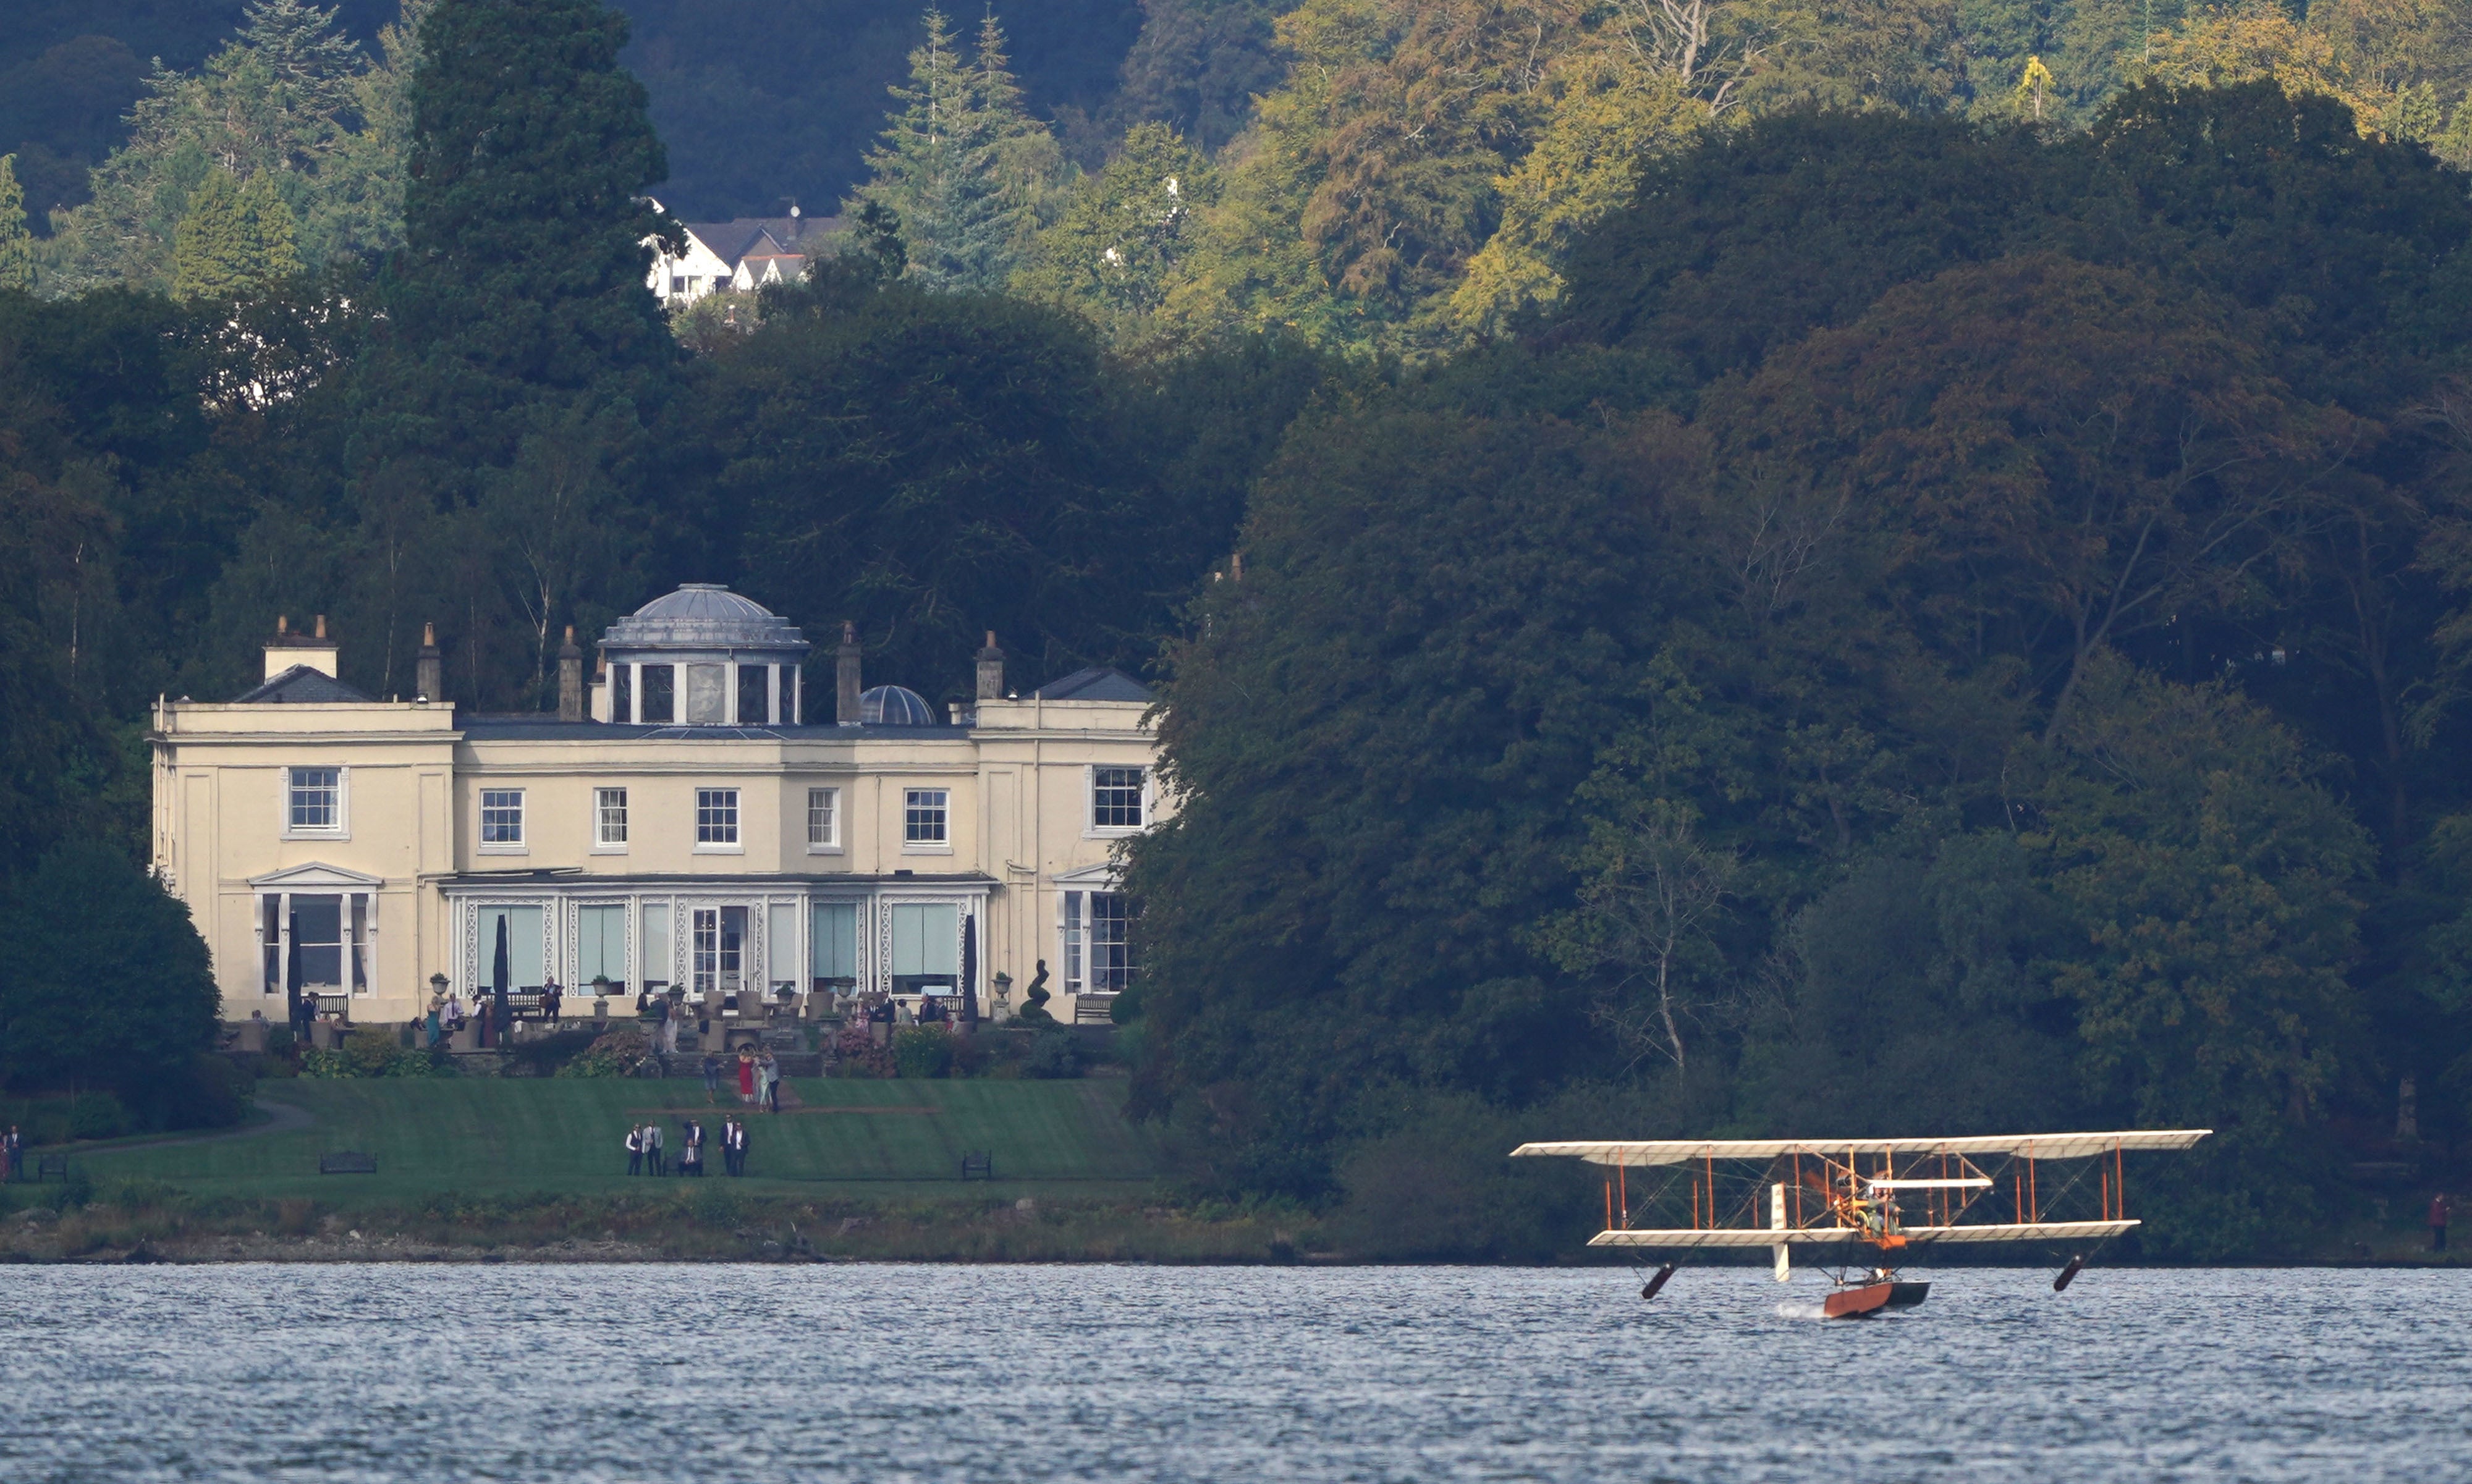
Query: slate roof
x,y
299,685
545,726
1098,683
761,236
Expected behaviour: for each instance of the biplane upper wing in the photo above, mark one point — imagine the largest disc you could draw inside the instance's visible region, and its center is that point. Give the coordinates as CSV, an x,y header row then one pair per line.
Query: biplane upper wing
x,y
2032,1146
1681,1237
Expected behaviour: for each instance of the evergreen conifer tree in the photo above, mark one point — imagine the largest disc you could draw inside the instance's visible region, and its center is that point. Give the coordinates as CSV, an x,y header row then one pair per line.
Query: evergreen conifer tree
x,y
211,247
16,243
235,240
917,172
276,98
1023,162
962,165
525,260
274,238
310,64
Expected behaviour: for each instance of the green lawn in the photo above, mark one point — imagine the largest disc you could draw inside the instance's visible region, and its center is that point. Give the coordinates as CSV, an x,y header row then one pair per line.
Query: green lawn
x,y
504,1136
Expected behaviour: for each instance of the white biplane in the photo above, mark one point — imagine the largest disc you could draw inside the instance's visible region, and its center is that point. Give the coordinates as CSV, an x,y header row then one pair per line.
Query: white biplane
x,y
1869,1204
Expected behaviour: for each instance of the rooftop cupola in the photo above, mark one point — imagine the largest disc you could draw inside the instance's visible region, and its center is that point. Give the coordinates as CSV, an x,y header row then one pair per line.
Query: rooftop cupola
x,y
704,656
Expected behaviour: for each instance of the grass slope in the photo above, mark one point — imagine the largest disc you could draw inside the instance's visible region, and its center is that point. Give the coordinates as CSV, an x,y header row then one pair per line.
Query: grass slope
x,y
506,1136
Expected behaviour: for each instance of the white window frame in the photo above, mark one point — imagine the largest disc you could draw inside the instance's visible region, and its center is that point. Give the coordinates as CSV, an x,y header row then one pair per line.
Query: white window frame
x,y
602,843
358,928
1090,968
1077,942
572,915
1071,940
943,843
341,830
1092,829
521,844
735,844
831,843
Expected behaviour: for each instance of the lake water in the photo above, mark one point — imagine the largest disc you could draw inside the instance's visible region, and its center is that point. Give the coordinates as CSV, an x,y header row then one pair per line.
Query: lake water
x,y
723,1374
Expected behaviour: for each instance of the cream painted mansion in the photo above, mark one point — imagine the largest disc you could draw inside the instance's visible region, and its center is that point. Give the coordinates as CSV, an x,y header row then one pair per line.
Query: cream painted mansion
x,y
678,822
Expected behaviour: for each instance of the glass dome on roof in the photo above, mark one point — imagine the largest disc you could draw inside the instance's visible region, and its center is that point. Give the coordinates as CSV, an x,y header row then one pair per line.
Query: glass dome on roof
x,y
894,705
704,615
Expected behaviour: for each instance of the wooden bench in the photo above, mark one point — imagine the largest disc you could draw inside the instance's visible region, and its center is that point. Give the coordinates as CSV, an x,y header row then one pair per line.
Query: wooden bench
x,y
48,1165
348,1162
978,1165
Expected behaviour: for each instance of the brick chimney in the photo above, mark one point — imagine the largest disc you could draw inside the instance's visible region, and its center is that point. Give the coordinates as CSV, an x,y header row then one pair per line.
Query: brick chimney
x,y
287,649
992,661
570,679
845,680
428,668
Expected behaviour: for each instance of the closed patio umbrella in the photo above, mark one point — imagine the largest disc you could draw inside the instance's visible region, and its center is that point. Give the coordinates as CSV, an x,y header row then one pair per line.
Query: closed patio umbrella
x,y
971,972
292,978
500,971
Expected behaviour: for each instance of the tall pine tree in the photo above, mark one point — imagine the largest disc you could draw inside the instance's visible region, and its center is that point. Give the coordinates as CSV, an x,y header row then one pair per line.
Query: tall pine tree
x,y
962,165
1022,160
211,250
235,240
275,238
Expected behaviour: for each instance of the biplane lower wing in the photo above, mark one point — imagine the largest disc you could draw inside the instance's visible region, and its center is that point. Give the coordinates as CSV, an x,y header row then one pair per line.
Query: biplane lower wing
x,y
1687,1237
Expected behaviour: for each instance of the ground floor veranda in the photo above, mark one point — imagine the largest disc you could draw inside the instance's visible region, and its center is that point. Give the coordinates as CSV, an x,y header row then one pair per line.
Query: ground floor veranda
x,y
371,951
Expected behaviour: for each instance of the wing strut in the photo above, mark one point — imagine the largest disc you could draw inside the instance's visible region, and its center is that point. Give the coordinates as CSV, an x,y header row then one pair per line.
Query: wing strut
x,y
1777,1223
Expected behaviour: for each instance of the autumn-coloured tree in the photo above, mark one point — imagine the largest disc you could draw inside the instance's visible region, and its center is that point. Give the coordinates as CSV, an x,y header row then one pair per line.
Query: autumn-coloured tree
x,y
1369,180
1610,116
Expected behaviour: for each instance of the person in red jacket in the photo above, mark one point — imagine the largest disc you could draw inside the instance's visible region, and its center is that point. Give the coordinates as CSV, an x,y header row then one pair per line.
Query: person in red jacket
x,y
2439,1212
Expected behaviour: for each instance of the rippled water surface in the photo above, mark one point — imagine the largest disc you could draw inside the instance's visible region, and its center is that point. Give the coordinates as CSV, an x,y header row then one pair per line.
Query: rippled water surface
x,y
723,1374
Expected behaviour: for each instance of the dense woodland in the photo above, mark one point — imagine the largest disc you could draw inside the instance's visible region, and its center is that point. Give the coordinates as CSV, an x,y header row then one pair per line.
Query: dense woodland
x,y
1696,590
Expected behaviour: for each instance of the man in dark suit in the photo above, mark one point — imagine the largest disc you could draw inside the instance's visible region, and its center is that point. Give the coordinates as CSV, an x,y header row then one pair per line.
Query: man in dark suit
x,y
733,1145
